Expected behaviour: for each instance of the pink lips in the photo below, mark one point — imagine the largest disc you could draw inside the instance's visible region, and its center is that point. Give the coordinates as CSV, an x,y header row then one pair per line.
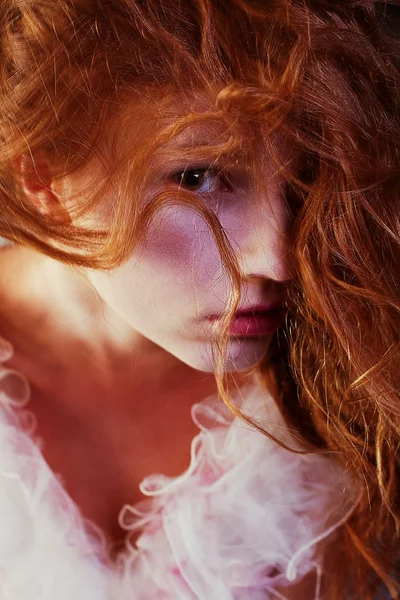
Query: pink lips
x,y
256,321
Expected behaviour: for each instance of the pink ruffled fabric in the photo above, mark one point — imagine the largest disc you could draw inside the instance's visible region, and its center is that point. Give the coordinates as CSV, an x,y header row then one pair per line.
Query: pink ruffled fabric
x,y
247,516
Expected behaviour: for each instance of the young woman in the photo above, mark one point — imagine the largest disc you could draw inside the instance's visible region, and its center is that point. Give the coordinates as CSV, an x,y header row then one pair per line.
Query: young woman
x,y
202,202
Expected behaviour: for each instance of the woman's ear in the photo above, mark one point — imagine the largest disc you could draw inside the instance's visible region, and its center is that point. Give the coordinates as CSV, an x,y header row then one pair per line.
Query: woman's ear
x,y
37,184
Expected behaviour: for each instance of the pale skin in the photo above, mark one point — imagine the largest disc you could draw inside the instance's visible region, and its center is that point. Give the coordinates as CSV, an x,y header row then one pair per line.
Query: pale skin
x,y
116,359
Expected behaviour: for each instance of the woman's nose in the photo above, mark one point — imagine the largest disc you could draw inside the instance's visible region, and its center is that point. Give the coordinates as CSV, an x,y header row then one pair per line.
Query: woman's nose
x,y
265,249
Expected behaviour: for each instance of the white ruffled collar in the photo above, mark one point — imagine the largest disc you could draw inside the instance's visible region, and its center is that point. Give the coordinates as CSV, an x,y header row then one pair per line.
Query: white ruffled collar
x,y
245,517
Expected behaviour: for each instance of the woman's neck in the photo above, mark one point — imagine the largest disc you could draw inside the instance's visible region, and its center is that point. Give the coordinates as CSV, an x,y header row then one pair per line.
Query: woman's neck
x,y
111,407
55,318
52,312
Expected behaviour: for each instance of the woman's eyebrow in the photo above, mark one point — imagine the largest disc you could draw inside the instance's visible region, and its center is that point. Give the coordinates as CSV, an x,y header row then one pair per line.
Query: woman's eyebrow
x,y
190,142
196,135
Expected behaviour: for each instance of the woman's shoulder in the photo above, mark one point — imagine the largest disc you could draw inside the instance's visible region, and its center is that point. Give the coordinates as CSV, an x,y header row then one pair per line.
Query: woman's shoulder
x,y
13,260
44,543
17,288
23,315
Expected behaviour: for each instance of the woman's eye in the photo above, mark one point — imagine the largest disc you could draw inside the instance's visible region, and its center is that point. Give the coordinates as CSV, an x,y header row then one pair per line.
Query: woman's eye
x,y
202,180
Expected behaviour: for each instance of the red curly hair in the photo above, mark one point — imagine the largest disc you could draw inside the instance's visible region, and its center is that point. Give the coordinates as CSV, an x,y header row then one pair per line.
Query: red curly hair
x,y
324,77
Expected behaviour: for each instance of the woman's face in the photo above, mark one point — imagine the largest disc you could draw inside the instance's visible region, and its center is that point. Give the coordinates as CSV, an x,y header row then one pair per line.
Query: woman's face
x,y
173,286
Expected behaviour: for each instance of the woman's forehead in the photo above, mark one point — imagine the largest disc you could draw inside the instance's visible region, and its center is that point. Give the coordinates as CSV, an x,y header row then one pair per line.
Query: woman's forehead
x,y
168,126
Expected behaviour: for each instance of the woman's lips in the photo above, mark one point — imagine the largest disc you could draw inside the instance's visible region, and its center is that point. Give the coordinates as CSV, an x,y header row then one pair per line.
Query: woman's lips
x,y
256,321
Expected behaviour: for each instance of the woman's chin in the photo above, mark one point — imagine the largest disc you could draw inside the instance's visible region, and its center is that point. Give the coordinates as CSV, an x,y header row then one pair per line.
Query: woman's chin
x,y
242,355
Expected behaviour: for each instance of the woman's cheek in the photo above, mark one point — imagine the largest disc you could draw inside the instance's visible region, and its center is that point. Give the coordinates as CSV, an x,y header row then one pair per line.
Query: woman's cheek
x,y
183,246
